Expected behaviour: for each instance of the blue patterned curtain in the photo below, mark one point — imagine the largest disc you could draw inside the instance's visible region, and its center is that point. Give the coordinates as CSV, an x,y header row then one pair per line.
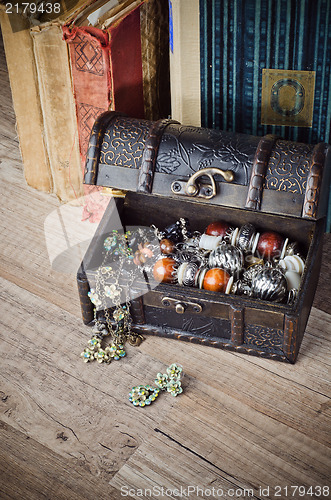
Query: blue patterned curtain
x,y
239,38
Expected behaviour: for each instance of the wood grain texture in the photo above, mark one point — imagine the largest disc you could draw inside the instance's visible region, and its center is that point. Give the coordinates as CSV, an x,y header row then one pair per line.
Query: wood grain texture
x,y
67,429
30,470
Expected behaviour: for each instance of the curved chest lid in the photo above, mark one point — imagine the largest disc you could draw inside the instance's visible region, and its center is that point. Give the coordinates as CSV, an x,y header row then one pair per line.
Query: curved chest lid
x,y
165,158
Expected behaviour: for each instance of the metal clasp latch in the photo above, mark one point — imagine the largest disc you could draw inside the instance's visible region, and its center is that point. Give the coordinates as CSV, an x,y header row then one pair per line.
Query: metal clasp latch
x,y
191,188
181,306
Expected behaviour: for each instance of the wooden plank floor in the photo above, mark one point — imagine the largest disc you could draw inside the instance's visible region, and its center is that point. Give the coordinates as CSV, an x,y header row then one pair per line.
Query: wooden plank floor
x,y
242,425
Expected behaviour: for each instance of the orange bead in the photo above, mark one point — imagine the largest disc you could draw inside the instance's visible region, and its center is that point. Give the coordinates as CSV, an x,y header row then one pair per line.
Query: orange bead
x,y
218,228
270,245
164,270
167,246
216,280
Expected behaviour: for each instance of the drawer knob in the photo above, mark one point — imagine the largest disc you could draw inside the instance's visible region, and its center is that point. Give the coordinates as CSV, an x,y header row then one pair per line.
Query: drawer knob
x,y
180,308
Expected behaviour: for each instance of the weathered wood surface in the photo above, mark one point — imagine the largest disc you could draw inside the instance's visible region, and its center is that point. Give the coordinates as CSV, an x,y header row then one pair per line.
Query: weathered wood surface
x,y
67,430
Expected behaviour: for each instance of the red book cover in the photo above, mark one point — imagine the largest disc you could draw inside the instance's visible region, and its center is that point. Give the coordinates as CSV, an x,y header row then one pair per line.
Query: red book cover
x,y
106,74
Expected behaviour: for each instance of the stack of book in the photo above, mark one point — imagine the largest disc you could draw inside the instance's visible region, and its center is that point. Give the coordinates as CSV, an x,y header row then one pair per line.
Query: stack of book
x,y
67,67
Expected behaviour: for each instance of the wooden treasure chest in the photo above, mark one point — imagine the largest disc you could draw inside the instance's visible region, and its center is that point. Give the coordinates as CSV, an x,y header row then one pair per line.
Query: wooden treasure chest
x,y
238,222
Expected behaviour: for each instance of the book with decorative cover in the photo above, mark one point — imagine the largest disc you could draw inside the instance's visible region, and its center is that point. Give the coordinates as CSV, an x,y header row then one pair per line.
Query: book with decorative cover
x,y
120,64
106,74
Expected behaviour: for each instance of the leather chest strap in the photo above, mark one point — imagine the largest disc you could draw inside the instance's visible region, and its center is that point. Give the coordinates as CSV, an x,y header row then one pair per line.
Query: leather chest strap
x,y
96,138
260,164
314,181
147,169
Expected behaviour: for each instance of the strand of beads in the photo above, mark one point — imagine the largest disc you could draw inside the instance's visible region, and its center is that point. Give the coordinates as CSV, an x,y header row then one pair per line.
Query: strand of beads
x,y
109,293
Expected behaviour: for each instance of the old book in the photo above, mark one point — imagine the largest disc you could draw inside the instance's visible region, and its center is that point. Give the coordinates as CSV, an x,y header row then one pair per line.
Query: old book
x,y
58,111
106,74
122,63
43,96
25,93
39,72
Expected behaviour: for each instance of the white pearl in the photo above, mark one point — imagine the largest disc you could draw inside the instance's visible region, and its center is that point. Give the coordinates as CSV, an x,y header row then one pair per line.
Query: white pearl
x,y
257,236
234,236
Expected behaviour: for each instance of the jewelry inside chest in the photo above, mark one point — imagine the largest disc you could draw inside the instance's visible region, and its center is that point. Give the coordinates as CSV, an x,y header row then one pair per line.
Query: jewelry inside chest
x,y
239,323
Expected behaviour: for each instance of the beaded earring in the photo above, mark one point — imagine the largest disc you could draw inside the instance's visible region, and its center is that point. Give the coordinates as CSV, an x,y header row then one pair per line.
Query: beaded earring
x,y
144,395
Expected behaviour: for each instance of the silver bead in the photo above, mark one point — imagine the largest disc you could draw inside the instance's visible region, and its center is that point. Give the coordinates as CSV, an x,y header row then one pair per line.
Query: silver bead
x,y
240,288
292,295
269,284
246,237
228,234
189,274
199,277
192,242
250,273
227,257
189,255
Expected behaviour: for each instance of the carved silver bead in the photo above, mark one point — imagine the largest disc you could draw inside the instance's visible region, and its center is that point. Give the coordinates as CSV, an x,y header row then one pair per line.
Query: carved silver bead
x,y
240,288
192,242
227,257
190,273
195,255
199,277
269,284
292,295
246,237
250,273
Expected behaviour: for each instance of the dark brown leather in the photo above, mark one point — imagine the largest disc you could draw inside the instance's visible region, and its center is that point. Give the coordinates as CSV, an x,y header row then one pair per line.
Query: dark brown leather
x,y
310,204
184,150
290,344
259,170
137,311
146,174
